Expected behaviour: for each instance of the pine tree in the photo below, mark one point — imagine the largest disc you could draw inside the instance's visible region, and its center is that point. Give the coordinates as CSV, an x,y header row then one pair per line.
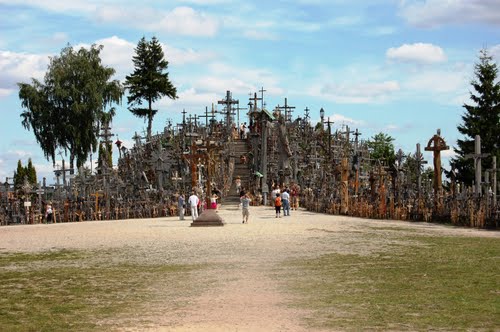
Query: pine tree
x,y
19,175
482,119
149,81
382,148
31,172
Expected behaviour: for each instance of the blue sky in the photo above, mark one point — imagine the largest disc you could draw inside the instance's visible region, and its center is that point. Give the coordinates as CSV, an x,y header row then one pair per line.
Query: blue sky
x,y
398,66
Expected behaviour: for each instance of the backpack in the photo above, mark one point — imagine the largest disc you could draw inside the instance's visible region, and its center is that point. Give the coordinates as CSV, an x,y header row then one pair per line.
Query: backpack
x,y
277,201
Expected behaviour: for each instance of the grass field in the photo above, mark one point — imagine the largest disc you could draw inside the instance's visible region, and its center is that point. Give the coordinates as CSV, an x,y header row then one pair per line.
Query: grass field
x,y
433,283
72,291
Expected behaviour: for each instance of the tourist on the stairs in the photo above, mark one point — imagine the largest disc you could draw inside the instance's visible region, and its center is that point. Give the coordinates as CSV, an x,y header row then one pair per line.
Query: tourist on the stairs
x,y
237,182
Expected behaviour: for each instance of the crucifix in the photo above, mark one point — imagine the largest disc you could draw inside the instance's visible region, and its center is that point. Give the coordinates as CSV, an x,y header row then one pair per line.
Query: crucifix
x,y
288,110
437,144
228,108
477,156
254,99
97,195
262,97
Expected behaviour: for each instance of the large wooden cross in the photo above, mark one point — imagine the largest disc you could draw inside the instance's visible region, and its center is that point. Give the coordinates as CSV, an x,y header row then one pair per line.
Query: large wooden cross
x,y
477,156
288,110
227,104
437,144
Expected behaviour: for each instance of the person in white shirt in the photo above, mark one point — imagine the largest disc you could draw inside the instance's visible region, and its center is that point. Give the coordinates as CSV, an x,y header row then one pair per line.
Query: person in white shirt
x,y
193,202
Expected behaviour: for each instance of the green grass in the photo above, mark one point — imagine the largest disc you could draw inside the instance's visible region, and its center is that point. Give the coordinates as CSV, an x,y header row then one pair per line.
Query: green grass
x,y
72,291
431,283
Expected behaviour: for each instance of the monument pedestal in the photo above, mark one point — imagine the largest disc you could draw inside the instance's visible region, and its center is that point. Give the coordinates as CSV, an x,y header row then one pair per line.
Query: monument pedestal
x,y
208,218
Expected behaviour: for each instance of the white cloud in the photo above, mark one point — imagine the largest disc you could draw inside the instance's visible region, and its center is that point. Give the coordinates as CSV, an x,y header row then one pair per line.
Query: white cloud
x,y
20,67
180,20
495,52
422,53
432,13
5,92
356,93
342,119
448,153
117,53
437,82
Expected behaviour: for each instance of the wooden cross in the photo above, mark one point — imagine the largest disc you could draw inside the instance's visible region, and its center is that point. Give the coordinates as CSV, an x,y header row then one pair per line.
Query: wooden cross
x,y
97,195
437,144
227,104
477,156
262,97
254,99
288,110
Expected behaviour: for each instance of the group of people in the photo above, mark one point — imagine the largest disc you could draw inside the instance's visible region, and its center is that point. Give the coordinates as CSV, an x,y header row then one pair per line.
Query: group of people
x,y
194,203
281,201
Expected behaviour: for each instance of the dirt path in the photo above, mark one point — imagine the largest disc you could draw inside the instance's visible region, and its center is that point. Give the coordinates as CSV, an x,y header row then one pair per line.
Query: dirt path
x,y
240,291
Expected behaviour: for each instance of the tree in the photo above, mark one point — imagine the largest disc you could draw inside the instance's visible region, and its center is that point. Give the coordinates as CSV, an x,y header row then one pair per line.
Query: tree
x,y
65,109
19,175
22,173
382,148
482,119
31,173
149,81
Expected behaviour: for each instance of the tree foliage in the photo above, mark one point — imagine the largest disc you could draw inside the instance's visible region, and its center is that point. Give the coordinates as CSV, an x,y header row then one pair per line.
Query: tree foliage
x,y
482,118
149,82
382,148
22,173
65,109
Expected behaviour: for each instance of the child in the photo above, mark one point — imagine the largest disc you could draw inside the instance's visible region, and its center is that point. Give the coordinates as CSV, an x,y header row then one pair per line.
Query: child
x,y
245,207
277,205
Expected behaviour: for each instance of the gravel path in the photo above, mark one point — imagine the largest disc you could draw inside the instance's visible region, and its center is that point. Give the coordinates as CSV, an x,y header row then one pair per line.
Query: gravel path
x,y
243,257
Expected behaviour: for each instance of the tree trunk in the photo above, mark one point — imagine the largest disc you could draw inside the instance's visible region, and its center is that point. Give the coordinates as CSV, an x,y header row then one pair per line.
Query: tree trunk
x,y
150,120
71,163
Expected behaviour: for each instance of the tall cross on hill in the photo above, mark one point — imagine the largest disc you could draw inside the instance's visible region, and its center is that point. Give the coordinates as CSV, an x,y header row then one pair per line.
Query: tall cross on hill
x,y
262,97
228,102
288,110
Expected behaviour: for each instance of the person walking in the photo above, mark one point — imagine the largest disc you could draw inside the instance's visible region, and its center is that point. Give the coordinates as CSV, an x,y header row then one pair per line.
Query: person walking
x,y
193,203
277,205
181,204
245,207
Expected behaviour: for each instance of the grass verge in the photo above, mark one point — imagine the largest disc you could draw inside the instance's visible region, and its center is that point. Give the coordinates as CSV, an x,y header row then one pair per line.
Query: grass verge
x,y
449,283
72,291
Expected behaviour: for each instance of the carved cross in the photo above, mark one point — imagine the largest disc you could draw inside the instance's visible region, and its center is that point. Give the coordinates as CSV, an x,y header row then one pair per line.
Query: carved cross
x,y
477,156
437,144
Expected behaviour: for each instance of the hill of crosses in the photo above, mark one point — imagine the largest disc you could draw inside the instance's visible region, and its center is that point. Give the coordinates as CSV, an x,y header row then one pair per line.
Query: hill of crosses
x,y
324,170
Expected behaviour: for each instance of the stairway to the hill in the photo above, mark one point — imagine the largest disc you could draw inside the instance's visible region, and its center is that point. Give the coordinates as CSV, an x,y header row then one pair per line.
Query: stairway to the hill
x,y
240,148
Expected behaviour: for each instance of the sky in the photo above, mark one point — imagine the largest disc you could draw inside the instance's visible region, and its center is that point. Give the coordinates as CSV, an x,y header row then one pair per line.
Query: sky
x,y
402,67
